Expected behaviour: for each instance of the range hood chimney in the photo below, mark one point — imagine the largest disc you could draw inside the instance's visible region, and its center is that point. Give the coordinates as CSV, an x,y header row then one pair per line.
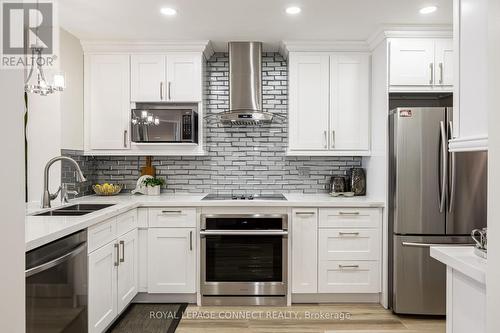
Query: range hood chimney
x,y
245,85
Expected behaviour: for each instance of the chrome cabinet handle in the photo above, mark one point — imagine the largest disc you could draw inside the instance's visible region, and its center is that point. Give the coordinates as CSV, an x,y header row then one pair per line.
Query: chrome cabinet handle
x,y
431,65
444,167
348,266
333,139
325,140
348,213
117,249
169,86
122,243
191,241
441,73
125,132
348,233
161,91
305,213
171,211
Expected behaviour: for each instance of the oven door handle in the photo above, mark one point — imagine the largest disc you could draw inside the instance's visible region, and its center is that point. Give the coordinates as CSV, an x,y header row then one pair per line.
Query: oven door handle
x,y
243,233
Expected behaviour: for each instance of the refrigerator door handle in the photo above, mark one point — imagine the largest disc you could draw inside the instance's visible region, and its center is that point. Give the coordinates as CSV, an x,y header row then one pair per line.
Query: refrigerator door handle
x,y
453,172
444,167
414,244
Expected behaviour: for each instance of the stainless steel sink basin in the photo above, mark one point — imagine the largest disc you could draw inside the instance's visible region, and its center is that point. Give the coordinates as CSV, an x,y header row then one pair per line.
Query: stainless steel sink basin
x,y
75,210
91,207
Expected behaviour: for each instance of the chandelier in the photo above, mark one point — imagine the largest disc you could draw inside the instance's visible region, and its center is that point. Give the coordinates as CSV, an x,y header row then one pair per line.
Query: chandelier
x,y
36,83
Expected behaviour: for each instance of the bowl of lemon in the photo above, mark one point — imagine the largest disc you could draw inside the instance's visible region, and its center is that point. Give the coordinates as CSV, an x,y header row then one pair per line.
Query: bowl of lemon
x,y
107,189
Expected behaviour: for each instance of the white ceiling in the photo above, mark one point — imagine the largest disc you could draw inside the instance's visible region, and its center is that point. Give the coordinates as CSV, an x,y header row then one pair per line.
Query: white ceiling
x,y
223,20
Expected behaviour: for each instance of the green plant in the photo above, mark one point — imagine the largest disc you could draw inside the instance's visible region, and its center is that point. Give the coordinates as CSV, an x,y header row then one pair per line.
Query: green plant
x,y
154,182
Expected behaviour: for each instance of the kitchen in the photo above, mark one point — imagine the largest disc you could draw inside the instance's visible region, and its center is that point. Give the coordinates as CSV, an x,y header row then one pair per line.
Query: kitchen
x,y
275,167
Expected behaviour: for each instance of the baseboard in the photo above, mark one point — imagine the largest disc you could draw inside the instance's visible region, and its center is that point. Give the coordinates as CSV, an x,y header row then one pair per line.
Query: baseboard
x,y
335,298
164,298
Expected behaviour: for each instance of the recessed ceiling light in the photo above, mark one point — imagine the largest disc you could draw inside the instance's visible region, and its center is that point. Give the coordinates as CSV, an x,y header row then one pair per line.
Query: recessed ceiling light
x,y
168,11
428,10
293,10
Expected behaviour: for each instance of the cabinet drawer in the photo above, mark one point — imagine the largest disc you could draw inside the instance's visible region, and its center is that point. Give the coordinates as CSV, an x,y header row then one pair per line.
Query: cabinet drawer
x,y
349,277
101,234
126,222
349,218
172,217
349,244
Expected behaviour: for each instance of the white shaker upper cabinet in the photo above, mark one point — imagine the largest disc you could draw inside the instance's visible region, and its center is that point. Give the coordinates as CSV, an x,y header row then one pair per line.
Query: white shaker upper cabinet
x,y
349,102
184,77
309,105
174,77
470,112
147,77
444,62
412,62
107,107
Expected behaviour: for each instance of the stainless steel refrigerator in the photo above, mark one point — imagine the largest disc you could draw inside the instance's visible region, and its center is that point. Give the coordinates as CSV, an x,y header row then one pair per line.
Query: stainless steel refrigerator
x,y
436,197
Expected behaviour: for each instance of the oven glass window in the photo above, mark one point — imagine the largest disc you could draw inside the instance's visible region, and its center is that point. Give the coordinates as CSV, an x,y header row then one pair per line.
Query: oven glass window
x,y
244,258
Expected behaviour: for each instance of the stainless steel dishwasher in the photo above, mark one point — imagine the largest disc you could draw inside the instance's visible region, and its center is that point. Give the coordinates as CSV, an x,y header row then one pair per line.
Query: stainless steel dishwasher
x,y
56,286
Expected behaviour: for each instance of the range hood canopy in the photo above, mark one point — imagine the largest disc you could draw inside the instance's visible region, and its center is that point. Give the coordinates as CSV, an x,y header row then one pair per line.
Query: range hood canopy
x,y
245,85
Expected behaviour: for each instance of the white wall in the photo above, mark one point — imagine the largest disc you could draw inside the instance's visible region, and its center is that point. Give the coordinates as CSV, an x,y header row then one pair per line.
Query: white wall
x,y
56,121
71,63
376,165
493,274
12,202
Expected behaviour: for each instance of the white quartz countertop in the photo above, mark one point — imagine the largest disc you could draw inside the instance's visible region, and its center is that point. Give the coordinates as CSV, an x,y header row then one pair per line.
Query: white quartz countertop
x,y
41,230
462,259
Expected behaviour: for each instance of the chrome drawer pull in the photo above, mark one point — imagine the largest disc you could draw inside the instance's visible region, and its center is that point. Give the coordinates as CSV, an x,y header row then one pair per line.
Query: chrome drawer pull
x,y
304,213
348,213
171,211
348,233
348,266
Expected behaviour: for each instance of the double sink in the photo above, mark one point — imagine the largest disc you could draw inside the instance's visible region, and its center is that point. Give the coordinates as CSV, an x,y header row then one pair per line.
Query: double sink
x,y
75,210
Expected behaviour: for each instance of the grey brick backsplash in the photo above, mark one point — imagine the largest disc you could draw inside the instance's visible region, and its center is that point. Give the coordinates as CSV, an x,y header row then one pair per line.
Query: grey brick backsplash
x,y
239,159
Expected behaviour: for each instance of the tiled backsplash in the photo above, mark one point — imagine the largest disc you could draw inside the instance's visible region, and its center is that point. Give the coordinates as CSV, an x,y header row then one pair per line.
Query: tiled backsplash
x,y
240,159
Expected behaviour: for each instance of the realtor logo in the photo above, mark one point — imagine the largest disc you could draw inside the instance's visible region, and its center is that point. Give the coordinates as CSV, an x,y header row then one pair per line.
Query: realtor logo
x,y
25,24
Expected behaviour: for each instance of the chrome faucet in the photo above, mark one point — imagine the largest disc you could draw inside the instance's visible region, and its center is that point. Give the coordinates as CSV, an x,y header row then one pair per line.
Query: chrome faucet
x,y
47,196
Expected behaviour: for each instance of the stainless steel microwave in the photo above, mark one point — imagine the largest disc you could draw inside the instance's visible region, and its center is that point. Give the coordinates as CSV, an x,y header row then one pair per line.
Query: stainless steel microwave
x,y
160,123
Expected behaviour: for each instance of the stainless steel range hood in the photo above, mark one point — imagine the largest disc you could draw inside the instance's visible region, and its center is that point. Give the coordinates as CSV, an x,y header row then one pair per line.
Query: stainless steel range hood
x,y
245,85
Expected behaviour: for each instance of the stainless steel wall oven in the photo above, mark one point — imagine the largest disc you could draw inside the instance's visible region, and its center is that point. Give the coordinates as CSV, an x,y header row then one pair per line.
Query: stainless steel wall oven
x,y
244,259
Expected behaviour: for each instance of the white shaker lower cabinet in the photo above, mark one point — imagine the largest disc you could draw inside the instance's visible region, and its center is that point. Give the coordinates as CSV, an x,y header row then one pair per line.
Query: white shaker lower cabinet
x,y
127,268
304,250
113,271
102,287
172,260
349,250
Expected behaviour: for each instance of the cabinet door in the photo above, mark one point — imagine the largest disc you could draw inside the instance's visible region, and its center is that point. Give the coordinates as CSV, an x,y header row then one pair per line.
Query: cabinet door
x,y
108,95
304,251
184,77
102,287
147,78
412,62
444,62
127,268
309,93
349,101
171,260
